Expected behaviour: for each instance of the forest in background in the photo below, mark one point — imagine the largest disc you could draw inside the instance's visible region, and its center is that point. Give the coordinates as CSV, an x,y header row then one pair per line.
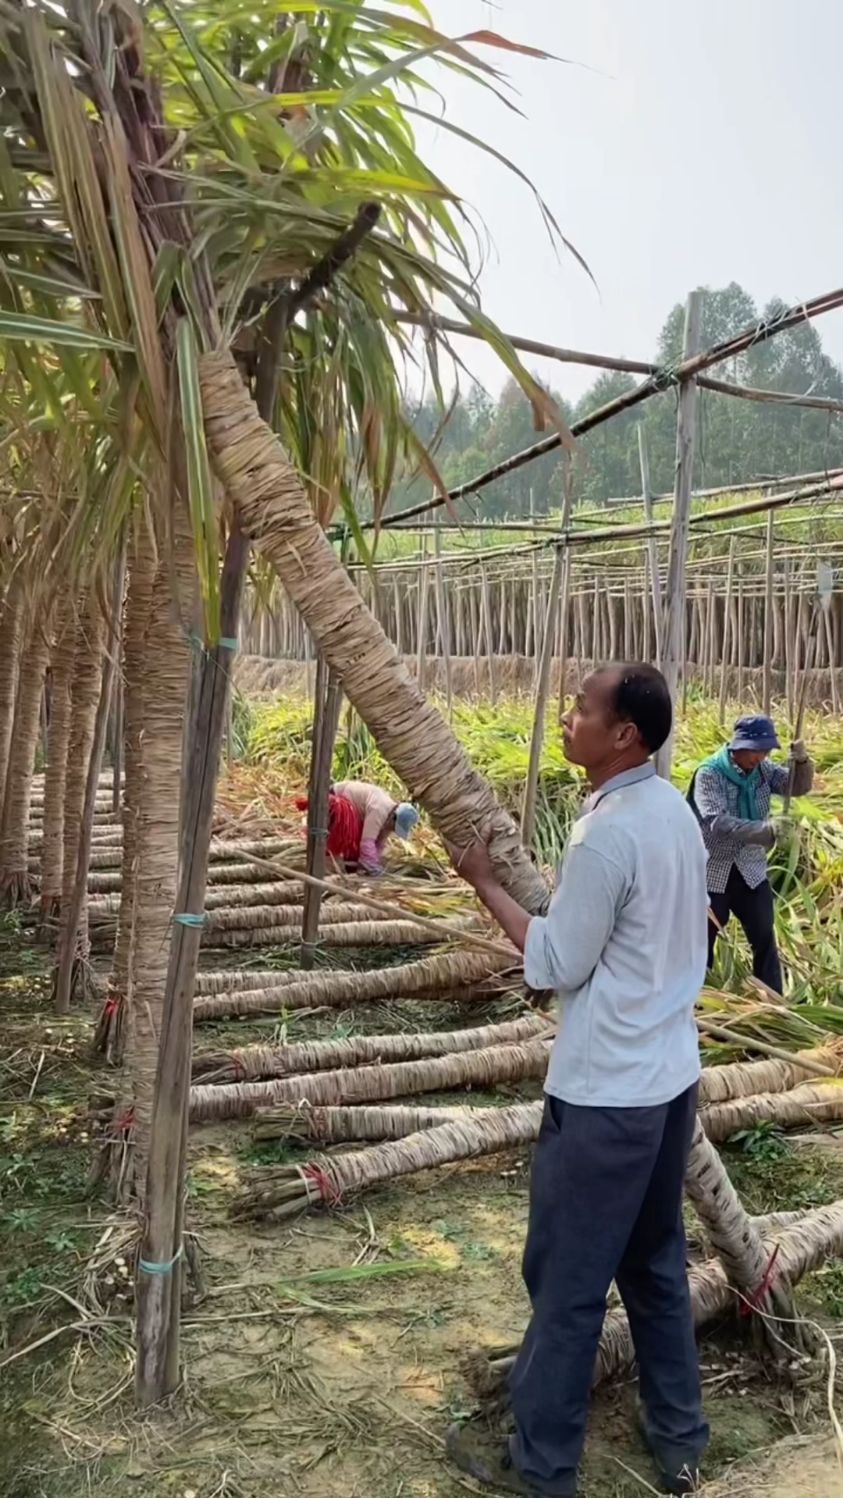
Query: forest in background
x,y
737,440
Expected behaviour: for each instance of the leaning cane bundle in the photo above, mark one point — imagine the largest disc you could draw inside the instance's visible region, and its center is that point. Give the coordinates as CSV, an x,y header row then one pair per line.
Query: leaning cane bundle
x,y
501,1063
251,1062
806,1105
299,1123
742,1079
446,971
284,1190
799,1248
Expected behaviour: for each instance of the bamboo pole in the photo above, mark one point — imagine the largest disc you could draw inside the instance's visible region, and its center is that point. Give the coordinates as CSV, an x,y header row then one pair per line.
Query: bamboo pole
x,y
693,363
487,632
727,623
327,706
421,616
832,672
769,619
652,543
443,618
674,615
528,805
741,635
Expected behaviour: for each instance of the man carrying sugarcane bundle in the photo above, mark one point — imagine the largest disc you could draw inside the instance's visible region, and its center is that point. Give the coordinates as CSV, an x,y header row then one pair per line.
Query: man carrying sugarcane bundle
x,y
731,793
623,944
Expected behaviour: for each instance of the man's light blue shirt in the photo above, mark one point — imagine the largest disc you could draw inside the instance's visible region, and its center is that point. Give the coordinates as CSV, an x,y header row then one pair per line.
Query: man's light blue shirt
x,y
624,946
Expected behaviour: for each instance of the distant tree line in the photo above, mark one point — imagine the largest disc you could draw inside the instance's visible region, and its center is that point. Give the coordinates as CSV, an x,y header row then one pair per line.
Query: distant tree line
x,y
737,439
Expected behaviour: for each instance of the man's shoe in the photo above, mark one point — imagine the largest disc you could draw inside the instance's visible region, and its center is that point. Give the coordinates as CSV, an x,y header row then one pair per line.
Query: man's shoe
x,y
470,1449
686,1480
677,1475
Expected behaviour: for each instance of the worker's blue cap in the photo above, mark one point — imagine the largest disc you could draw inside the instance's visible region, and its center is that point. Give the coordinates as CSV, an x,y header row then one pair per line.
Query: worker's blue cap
x,y
755,732
406,818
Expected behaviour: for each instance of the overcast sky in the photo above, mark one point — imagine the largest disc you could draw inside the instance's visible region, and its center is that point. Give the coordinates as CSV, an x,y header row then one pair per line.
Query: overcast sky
x,y
704,148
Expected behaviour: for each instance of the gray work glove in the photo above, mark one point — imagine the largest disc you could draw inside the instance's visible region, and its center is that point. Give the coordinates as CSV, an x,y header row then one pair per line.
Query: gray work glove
x,y
798,751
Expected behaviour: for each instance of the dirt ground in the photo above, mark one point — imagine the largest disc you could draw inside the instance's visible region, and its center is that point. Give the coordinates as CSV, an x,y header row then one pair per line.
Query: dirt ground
x,y
326,1356
795,1469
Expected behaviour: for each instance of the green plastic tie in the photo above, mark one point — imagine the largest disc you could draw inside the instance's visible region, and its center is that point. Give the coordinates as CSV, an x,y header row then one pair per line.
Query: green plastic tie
x,y
148,1267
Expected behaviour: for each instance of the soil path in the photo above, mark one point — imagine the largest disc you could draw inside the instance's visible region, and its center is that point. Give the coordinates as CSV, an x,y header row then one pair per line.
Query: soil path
x,y
796,1469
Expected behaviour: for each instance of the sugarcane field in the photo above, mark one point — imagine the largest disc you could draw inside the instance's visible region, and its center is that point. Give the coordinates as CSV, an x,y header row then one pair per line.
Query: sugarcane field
x,y
421,750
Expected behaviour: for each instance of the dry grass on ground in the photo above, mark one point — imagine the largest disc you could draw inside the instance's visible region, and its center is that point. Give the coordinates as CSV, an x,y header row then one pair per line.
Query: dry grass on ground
x,y
325,1359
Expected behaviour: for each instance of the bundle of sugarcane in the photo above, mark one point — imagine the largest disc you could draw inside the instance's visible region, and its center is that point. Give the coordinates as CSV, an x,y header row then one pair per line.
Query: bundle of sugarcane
x,y
458,971
100,882
370,933
800,1247
282,892
301,1123
284,1190
263,917
484,1068
245,872
741,1079
802,1107
239,979
255,1061
236,874
232,850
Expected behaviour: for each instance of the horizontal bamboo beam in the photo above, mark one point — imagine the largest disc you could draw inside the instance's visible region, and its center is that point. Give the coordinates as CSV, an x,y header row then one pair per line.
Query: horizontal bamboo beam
x,y
749,393
435,323
663,379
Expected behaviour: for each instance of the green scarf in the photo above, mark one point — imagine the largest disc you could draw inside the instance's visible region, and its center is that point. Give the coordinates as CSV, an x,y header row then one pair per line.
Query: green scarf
x,y
747,784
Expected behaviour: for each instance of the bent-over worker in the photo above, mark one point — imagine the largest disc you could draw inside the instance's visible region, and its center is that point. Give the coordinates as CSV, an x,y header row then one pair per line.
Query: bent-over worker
x,y
361,817
624,945
731,793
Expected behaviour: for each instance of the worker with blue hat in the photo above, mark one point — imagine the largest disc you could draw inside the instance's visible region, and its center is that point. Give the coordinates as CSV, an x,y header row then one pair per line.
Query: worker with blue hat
x,y
731,793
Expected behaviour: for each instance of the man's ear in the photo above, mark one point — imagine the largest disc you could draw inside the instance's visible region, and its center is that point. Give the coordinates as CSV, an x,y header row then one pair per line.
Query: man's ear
x,y
626,735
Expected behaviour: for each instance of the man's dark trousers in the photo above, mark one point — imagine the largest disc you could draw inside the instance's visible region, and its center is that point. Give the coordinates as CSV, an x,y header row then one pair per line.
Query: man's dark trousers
x,y
754,909
606,1203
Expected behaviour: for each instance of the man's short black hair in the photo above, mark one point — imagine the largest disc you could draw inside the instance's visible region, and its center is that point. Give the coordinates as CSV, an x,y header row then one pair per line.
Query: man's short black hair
x,y
641,696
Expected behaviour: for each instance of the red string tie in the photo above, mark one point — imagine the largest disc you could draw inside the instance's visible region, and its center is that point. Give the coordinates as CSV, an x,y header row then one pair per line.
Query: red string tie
x,y
750,1303
323,1183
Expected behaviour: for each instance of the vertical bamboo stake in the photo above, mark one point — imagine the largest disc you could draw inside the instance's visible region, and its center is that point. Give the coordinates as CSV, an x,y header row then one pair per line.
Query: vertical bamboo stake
x,y
528,805
612,614
652,544
326,716
421,619
788,640
582,628
399,621
442,615
502,597
628,646
475,640
564,605
727,622
767,690
829,641
741,637
673,644
487,631
708,683
646,620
